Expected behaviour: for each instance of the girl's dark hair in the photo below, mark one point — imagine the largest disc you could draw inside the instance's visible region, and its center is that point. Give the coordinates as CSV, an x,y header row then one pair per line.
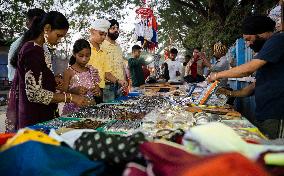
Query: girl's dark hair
x,y
78,46
55,19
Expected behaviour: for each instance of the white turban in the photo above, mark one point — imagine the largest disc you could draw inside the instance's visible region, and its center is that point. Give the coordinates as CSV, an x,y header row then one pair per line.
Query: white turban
x,y
101,25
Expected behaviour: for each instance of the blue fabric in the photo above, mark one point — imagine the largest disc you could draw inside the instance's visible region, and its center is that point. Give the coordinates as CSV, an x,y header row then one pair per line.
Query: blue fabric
x,y
154,38
269,91
42,128
38,159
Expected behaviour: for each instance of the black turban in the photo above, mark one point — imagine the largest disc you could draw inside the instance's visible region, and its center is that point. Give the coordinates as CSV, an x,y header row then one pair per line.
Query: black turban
x,y
253,25
113,22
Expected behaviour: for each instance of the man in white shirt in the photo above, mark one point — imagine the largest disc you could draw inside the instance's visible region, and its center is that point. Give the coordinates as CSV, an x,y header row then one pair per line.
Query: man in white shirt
x,y
174,67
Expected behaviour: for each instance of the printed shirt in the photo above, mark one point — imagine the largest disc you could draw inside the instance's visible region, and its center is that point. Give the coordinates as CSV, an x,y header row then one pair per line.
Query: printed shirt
x,y
116,60
100,60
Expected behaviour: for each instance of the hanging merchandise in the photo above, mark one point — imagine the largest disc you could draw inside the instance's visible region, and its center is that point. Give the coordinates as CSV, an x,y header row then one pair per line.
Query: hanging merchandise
x,y
146,29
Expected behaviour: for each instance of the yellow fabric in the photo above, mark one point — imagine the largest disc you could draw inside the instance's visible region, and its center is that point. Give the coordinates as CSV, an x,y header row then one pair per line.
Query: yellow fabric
x,y
25,135
114,53
100,61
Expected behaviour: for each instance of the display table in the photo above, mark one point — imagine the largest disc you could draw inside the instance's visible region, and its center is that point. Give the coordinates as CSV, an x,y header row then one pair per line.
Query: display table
x,y
166,111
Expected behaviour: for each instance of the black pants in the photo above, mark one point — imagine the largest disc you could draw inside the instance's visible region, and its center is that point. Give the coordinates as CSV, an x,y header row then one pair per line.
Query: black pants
x,y
190,79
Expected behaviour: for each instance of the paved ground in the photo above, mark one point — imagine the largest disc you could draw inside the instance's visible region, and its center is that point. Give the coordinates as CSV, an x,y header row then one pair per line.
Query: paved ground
x,y
3,93
2,118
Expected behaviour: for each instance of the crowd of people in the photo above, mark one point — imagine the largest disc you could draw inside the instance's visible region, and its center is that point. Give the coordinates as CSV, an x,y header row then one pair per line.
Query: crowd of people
x,y
193,68
98,72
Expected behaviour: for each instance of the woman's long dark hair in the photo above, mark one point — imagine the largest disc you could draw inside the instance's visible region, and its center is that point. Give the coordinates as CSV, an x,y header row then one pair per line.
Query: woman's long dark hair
x,y
55,19
78,46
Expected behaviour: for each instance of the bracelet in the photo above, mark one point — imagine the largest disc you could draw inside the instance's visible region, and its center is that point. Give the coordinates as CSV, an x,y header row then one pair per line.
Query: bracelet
x,y
65,97
70,98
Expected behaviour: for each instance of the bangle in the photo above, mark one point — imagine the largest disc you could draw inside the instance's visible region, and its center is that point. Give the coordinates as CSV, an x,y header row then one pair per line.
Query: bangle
x,y
65,97
70,98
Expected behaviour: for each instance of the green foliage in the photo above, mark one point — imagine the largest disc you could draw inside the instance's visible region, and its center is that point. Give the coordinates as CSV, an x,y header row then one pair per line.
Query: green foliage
x,y
188,23
12,15
202,23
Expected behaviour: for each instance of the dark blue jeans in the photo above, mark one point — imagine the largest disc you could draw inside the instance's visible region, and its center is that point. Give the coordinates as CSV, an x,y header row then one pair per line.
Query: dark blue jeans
x,y
111,92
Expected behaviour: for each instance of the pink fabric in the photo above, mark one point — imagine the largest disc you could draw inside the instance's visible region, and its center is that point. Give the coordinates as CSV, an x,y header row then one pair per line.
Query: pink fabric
x,y
85,79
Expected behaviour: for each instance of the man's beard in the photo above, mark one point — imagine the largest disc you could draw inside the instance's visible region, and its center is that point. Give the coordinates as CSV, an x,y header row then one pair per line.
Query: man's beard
x,y
113,36
257,44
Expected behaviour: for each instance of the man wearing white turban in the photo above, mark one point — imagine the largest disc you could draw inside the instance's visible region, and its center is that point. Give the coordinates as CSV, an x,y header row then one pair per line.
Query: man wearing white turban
x,y
99,58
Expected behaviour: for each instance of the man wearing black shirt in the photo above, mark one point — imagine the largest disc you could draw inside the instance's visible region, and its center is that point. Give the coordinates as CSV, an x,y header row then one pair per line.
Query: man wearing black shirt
x,y
268,65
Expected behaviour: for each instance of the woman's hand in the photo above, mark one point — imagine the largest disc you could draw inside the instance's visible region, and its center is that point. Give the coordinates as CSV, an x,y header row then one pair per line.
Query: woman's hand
x,y
81,90
80,101
96,90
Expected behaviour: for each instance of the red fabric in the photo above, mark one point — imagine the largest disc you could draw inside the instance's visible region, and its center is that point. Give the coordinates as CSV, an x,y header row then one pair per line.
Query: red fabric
x,y
144,12
193,68
168,161
134,169
179,139
5,136
154,23
146,72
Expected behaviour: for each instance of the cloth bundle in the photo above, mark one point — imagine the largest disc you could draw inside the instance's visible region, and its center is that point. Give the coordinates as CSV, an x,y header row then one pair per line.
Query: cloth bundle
x,y
168,159
36,158
114,149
